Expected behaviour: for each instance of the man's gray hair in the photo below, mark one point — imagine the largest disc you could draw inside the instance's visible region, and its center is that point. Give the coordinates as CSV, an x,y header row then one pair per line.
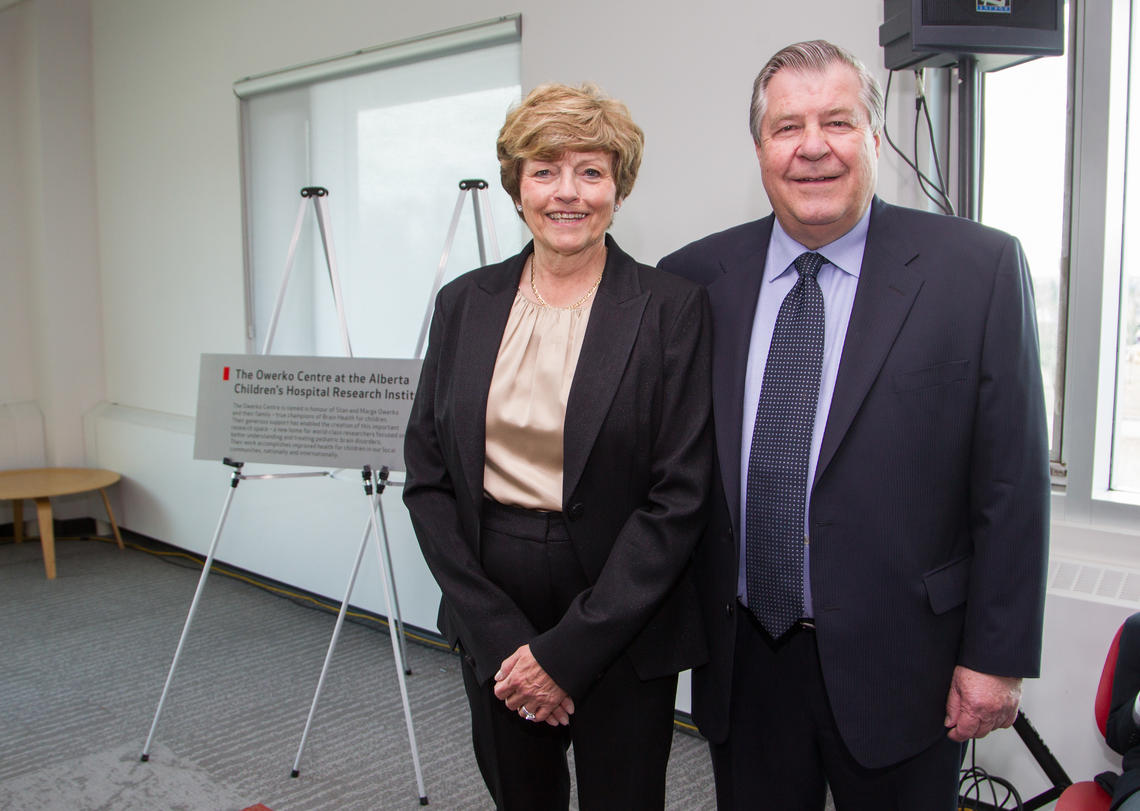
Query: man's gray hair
x,y
815,56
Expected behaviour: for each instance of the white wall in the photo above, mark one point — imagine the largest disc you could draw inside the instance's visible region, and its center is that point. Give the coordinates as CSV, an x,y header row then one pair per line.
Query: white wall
x,y
60,197
21,425
51,331
121,224
167,140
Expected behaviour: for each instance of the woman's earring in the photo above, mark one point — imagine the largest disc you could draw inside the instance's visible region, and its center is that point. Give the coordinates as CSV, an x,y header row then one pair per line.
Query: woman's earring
x,y
518,207
617,207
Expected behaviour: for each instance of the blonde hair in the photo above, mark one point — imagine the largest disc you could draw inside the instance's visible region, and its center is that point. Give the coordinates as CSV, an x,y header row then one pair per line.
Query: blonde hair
x,y
555,118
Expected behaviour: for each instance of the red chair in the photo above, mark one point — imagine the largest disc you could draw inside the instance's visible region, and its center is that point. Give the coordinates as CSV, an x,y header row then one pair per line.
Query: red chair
x,y
1088,795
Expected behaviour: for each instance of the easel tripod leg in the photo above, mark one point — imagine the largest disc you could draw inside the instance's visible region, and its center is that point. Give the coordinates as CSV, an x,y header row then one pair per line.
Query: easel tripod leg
x,y
390,572
189,618
332,646
400,663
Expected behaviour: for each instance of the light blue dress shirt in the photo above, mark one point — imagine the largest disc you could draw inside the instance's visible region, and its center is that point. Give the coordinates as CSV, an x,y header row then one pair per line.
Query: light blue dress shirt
x,y
838,279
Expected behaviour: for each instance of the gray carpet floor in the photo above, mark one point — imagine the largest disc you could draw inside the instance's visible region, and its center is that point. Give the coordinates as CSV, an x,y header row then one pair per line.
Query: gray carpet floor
x,y
82,663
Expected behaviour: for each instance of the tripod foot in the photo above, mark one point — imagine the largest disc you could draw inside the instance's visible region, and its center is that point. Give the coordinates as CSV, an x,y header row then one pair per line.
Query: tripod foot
x,y
294,773
423,800
144,757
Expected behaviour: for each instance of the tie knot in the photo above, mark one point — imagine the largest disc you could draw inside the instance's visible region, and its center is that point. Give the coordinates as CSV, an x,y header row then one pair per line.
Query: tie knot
x,y
808,264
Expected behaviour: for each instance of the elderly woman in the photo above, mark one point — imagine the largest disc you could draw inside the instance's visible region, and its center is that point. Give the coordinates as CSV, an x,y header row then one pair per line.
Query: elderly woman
x,y
558,456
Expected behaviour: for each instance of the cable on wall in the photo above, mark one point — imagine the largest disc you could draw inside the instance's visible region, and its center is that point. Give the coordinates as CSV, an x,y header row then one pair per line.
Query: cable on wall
x,y
934,188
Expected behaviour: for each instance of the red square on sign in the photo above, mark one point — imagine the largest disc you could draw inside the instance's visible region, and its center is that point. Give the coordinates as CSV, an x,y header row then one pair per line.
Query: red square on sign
x,y
225,373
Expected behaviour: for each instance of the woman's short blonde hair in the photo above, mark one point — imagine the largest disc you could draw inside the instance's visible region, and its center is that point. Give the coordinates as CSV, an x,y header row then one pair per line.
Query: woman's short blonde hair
x,y
557,118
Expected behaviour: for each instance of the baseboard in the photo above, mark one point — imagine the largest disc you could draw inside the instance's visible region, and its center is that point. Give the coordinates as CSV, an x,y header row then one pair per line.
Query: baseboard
x,y
62,527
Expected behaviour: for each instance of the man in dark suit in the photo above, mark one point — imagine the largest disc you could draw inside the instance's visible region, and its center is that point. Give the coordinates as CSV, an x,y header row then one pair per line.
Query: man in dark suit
x,y
873,576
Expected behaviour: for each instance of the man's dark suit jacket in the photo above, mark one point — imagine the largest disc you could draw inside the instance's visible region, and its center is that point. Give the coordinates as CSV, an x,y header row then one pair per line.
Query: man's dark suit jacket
x,y
637,471
929,509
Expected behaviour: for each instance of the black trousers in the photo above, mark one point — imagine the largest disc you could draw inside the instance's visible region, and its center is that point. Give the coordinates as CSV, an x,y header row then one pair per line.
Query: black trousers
x,y
784,748
622,729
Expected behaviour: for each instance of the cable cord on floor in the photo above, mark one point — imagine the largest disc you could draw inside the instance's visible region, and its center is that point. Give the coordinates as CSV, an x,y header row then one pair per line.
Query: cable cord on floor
x,y
979,789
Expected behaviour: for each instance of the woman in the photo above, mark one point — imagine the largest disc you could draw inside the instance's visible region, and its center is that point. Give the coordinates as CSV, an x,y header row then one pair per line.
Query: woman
x,y
558,455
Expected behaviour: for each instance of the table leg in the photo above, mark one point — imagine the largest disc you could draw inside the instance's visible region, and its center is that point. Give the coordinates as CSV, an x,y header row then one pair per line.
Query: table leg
x,y
111,516
18,520
47,535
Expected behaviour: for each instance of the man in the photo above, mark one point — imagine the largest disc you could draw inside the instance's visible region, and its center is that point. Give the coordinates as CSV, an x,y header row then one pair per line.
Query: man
x,y
873,580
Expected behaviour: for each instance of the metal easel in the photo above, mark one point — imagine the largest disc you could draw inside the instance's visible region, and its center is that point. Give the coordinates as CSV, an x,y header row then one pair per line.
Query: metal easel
x,y
477,188
474,187
318,196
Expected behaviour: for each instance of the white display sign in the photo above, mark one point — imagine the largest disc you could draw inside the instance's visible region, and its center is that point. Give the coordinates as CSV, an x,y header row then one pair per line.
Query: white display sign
x,y
296,410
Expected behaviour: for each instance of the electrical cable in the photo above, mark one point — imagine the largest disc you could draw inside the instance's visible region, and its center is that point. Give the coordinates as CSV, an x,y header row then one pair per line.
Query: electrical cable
x,y
974,782
921,105
943,200
934,150
925,183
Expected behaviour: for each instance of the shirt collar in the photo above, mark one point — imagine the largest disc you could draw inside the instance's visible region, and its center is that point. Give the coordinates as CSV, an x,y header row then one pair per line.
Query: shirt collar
x,y
845,253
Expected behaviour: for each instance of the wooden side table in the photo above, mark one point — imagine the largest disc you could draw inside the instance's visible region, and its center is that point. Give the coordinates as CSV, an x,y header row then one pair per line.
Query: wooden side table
x,y
39,485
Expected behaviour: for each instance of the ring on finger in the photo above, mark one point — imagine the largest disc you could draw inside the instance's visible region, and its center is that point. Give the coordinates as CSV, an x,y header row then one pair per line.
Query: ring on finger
x,y
527,714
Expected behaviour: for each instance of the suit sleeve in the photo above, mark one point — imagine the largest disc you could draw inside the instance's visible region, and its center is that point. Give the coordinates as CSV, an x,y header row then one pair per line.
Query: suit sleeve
x,y
486,620
1009,484
656,542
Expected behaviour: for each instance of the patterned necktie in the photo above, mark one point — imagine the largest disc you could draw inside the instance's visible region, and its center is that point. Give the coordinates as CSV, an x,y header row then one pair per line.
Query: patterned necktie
x,y
778,459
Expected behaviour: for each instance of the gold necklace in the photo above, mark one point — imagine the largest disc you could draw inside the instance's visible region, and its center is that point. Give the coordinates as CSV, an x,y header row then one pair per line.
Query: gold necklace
x,y
576,304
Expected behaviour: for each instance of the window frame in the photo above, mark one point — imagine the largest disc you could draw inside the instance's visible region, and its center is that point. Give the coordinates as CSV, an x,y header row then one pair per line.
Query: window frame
x,y
440,45
1058,468
1098,94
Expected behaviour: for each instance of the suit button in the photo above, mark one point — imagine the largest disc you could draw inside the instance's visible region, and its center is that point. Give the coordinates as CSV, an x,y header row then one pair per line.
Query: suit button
x,y
729,609
575,510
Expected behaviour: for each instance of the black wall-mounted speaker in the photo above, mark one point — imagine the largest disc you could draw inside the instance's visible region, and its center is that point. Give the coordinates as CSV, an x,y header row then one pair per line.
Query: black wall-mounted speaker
x,y
935,33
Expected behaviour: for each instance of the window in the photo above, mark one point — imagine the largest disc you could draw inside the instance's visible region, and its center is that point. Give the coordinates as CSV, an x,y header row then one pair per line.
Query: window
x,y
1098,447
1024,192
389,132
1125,473
1075,204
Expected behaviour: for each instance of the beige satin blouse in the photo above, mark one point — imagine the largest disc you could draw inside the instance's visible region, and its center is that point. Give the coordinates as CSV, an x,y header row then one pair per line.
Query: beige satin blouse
x,y
526,406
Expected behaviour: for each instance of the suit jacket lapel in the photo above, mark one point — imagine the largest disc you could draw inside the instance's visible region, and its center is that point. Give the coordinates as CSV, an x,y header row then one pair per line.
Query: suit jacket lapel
x,y
733,298
615,318
886,292
483,320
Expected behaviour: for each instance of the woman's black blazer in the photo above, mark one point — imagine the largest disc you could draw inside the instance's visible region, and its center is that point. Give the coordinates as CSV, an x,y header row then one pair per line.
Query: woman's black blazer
x,y
637,465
